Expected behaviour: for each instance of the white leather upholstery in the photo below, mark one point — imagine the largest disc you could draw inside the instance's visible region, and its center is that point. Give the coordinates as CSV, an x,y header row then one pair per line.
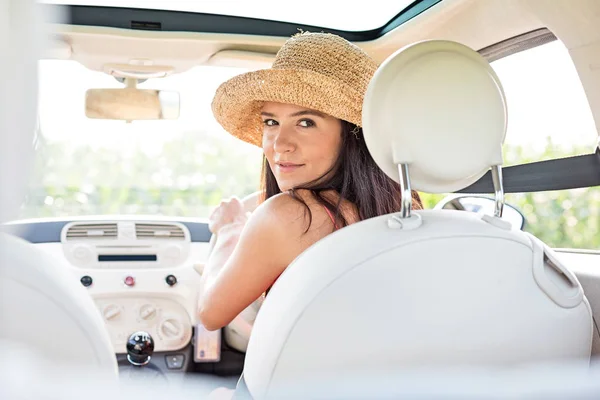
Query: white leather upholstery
x,y
444,289
456,291
439,107
44,309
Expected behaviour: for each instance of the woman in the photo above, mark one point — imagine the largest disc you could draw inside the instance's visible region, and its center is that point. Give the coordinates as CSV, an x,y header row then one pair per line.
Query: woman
x,y
318,175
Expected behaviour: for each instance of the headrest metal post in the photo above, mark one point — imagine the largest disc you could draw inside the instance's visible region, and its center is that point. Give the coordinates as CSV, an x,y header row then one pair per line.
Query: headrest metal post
x,y
498,189
406,204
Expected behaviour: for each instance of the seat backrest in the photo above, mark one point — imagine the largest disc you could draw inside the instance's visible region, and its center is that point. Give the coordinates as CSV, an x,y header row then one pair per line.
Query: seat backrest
x,y
435,288
45,310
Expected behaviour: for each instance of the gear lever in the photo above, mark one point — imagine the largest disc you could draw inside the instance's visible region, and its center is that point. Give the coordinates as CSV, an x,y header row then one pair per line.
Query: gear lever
x,y
140,347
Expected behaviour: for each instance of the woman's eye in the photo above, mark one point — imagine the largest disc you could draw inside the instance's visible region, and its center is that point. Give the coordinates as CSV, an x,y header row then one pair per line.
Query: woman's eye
x,y
306,123
270,122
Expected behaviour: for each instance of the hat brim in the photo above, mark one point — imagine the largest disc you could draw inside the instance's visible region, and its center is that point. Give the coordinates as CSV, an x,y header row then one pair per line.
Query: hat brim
x,y
238,101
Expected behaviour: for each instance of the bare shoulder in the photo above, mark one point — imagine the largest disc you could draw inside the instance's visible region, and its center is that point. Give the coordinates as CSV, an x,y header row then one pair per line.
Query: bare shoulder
x,y
302,218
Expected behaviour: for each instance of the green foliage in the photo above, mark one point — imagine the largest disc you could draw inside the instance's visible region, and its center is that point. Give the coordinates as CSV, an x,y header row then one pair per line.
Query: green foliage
x,y
191,173
562,219
186,177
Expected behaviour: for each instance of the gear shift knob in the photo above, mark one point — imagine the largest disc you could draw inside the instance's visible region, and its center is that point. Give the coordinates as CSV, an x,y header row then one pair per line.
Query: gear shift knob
x,y
140,347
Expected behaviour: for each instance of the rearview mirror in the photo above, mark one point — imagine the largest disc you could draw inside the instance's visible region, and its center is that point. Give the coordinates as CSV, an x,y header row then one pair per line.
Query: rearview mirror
x,y
131,104
484,205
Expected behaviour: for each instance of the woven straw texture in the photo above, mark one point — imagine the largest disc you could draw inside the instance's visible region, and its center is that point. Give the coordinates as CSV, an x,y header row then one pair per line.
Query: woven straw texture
x,y
320,71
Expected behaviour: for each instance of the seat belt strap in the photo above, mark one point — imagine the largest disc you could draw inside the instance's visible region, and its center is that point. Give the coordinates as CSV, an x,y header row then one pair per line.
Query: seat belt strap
x,y
560,174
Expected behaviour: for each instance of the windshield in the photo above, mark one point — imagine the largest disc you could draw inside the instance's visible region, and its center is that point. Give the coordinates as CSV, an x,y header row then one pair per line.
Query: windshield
x,y
180,167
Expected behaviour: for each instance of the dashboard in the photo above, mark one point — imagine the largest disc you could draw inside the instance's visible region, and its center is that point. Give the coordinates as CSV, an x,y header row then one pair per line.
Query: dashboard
x,y
142,273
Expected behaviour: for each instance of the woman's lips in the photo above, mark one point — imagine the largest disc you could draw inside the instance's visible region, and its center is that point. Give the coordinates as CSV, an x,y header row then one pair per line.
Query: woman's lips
x,y
288,167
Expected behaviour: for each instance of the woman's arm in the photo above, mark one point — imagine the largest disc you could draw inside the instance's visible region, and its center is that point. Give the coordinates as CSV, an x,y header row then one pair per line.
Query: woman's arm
x,y
271,239
227,220
241,267
224,245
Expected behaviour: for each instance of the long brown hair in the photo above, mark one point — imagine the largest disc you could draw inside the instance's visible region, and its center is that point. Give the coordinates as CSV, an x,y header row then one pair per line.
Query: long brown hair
x,y
354,176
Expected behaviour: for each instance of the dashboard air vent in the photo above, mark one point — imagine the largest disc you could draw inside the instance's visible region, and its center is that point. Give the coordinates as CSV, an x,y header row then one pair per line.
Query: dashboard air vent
x,y
92,231
159,231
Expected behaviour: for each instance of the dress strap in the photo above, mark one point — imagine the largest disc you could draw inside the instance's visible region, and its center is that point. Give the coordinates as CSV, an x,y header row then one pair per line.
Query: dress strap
x,y
331,217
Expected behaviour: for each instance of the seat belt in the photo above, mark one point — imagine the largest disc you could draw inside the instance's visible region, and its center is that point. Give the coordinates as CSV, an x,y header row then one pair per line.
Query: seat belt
x,y
560,174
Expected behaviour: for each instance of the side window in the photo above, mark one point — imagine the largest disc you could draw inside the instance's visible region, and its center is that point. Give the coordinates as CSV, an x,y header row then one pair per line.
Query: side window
x,y
549,117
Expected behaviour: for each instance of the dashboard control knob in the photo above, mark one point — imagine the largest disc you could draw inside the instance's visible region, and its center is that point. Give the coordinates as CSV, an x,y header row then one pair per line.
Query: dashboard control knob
x,y
171,329
86,281
147,312
171,280
140,347
111,312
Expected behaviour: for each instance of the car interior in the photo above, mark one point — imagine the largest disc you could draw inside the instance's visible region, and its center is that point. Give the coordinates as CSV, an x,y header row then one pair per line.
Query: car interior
x,y
102,259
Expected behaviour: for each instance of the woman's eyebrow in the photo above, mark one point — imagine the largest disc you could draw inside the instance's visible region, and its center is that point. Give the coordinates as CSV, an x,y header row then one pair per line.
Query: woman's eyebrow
x,y
296,114
308,112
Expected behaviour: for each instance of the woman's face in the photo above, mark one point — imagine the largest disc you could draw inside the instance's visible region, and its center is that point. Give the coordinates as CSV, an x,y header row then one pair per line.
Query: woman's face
x,y
300,144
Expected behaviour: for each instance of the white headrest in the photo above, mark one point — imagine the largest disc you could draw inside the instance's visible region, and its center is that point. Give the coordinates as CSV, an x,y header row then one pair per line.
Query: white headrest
x,y
439,107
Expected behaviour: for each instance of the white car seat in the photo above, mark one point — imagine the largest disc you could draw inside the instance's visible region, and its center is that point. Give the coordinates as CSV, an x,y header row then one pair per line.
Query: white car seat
x,y
44,309
435,288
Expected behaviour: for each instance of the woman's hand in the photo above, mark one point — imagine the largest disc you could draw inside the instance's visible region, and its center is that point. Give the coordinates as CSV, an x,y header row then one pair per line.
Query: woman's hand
x,y
228,212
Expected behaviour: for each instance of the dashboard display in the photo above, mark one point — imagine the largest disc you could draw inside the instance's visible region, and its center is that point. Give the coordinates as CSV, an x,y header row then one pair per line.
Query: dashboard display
x,y
126,257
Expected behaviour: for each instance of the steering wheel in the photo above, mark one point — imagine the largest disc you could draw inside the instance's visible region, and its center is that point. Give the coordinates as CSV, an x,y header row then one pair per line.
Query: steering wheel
x,y
237,333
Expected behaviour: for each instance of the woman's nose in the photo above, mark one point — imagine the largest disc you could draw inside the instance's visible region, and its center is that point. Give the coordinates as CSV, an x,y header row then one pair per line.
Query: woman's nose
x,y
284,141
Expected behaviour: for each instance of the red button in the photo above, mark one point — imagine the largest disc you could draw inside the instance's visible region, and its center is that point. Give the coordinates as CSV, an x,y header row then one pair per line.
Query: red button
x,y
130,281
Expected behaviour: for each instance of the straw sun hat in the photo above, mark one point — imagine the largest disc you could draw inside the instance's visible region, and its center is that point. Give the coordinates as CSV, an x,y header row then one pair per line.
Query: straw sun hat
x,y
319,71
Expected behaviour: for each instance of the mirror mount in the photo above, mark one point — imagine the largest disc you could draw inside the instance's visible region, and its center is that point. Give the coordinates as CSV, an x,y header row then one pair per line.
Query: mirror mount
x,y
138,69
131,83
122,80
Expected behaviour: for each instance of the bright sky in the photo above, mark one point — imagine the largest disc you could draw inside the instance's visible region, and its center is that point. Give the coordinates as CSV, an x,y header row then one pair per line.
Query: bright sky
x,y
544,95
545,98
334,14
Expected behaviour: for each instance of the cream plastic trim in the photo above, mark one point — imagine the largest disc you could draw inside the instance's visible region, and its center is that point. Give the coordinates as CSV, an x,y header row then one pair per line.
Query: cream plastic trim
x,y
475,23
242,59
555,280
138,71
57,48
96,46
122,307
